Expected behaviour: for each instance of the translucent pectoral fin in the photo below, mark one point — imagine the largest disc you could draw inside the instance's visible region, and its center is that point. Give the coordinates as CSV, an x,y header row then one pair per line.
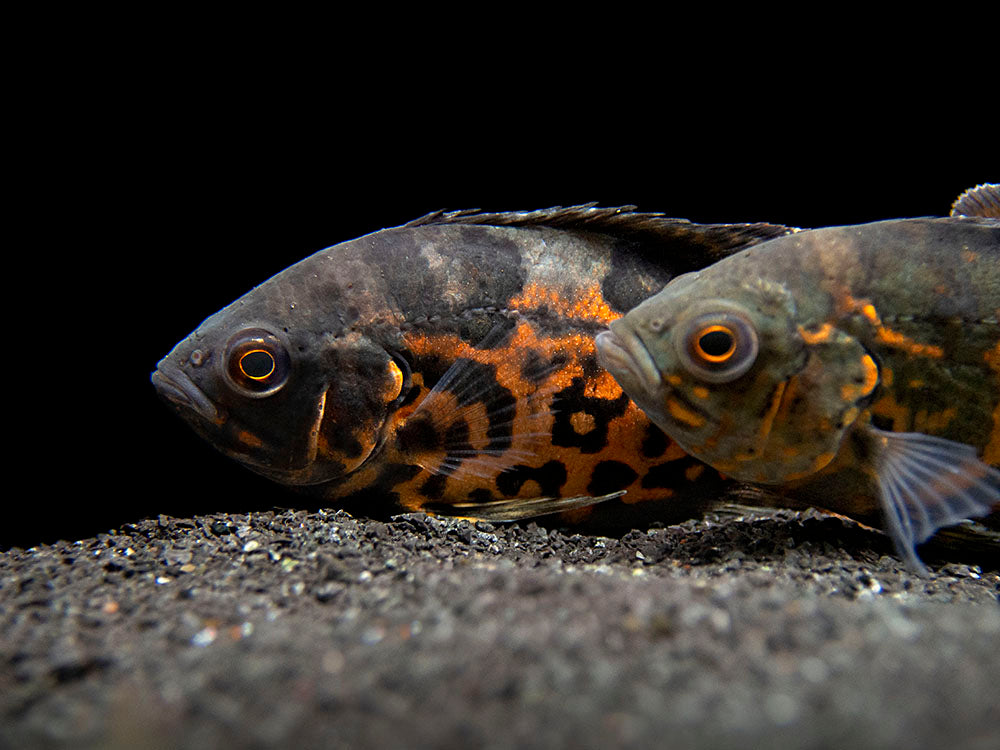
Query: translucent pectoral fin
x,y
521,508
476,422
926,483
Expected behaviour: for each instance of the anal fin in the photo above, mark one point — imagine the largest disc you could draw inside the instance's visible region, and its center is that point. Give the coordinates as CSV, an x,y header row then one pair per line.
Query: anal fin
x,y
926,483
520,508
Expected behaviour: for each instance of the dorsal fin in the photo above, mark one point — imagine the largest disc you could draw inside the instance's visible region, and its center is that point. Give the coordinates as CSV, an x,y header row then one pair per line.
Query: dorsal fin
x,y
982,201
626,222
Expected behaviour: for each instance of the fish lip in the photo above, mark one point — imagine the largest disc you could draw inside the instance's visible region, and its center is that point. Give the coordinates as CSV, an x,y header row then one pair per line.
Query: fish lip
x,y
630,353
174,385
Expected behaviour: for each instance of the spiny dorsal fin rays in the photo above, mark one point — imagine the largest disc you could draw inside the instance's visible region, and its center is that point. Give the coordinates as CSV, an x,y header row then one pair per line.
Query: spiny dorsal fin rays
x,y
680,236
518,509
982,201
927,482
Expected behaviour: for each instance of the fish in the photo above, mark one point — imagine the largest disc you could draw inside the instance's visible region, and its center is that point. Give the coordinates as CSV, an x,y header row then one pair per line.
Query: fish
x,y
448,365
857,367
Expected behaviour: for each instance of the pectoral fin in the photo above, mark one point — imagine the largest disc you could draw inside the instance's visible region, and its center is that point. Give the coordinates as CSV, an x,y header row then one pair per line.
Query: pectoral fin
x,y
521,508
472,425
926,483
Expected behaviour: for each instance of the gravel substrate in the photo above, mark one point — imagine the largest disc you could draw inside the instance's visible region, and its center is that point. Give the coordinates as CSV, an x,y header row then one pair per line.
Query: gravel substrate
x,y
295,629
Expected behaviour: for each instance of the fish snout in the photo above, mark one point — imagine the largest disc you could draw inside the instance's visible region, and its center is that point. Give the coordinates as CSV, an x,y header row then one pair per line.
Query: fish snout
x,y
175,386
624,355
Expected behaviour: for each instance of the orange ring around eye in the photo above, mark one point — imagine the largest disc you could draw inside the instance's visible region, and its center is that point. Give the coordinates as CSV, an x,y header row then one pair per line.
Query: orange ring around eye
x,y
258,378
715,358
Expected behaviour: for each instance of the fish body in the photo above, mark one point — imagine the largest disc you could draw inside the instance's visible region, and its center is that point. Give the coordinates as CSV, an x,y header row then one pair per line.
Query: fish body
x,y
448,365
858,367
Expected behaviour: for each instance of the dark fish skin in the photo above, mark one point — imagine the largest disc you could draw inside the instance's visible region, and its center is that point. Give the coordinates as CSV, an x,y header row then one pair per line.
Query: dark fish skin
x,y
448,365
858,368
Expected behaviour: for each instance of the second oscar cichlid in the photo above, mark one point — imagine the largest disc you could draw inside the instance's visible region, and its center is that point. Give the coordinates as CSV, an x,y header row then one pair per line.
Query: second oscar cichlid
x,y
855,367
448,365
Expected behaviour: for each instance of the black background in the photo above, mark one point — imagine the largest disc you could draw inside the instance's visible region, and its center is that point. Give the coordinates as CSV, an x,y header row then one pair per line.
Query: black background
x,y
146,223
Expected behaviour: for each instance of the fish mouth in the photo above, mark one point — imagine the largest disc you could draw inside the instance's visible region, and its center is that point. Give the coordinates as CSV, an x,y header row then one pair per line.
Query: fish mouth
x,y
622,352
175,386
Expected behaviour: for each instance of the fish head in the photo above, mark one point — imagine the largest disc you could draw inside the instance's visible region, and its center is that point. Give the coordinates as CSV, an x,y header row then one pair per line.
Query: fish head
x,y
282,394
719,362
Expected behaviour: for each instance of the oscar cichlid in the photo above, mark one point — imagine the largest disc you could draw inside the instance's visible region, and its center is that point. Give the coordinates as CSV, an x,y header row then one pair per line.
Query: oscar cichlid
x,y
448,365
856,367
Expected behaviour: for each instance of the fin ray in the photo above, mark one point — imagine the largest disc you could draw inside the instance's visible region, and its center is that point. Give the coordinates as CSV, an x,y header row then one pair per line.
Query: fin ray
x,y
469,406
521,508
926,483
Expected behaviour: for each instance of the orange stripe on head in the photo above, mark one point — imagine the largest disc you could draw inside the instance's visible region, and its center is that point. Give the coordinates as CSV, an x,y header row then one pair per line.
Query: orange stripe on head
x,y
682,414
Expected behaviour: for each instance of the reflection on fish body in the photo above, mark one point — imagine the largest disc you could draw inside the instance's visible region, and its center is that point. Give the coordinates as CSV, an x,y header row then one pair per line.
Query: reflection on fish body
x,y
449,364
858,367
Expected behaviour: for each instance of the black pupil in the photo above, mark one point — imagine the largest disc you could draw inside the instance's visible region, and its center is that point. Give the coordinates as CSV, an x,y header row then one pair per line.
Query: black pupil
x,y
716,343
257,364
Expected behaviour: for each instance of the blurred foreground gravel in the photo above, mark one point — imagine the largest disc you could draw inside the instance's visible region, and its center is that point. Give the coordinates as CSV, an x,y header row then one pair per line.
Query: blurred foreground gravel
x,y
294,629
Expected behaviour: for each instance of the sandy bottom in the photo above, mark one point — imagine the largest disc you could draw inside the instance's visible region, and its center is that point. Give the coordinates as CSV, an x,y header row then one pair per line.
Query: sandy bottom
x,y
295,629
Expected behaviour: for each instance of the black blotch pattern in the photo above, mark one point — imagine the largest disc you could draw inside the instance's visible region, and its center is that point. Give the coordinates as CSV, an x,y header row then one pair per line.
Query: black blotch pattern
x,y
380,497
478,384
344,443
456,439
654,442
669,475
432,367
433,488
571,400
418,434
633,278
882,422
410,396
550,477
481,495
537,367
610,476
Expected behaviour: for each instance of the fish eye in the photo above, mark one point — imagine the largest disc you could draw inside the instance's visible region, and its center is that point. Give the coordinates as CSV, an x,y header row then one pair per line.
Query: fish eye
x,y
256,362
719,346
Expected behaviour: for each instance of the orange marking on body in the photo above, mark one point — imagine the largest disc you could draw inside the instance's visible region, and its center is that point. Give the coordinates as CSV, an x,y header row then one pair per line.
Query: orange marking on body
x,y
768,421
248,438
887,406
700,391
582,422
938,421
786,399
850,415
674,452
590,305
693,471
969,256
674,380
396,385
818,336
605,386
916,383
852,392
625,433
682,414
992,358
822,460
991,452
899,340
